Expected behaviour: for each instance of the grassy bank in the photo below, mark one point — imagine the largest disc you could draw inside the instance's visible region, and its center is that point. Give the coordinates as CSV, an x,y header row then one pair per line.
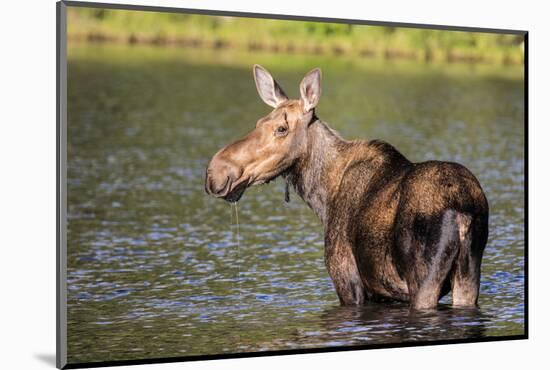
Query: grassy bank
x,y
124,26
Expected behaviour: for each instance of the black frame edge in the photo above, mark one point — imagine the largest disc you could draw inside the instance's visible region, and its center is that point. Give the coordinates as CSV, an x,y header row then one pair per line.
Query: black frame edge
x,y
58,333
526,182
61,105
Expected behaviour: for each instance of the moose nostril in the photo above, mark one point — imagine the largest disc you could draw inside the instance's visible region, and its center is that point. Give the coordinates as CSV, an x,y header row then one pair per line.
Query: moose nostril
x,y
220,175
218,188
207,184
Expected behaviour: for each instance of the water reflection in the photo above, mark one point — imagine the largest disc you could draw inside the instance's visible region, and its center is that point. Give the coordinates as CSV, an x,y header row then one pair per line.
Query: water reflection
x,y
385,323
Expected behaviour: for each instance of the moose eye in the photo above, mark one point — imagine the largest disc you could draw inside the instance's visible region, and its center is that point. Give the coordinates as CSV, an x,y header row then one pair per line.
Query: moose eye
x,y
281,130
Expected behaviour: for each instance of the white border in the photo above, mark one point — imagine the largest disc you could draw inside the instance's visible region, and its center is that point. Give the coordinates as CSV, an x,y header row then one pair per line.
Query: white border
x,y
28,181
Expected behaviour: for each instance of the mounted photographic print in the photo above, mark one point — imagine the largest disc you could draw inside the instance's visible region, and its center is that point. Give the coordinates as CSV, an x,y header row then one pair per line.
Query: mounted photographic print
x,y
235,184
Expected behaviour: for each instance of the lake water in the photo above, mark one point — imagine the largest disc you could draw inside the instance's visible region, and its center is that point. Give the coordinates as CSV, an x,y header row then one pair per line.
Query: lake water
x,y
154,266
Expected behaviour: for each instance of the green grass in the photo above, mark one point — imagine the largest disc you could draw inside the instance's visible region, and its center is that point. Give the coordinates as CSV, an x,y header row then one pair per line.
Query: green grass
x,y
292,36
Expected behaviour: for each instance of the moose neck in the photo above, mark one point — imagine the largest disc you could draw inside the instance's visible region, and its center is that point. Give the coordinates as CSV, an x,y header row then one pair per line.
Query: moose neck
x,y
316,175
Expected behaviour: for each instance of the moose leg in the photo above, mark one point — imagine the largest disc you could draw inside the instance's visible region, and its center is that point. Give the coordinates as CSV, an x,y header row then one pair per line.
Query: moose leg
x,y
342,268
466,284
433,261
466,274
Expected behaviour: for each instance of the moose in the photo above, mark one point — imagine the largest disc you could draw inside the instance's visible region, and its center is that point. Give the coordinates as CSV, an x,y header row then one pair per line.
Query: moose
x,y
394,230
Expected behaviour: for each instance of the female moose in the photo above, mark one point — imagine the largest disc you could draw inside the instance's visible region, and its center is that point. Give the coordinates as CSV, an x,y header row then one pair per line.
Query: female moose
x,y
393,229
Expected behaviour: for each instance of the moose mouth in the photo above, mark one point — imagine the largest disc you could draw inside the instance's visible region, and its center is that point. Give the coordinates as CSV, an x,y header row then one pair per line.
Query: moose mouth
x,y
235,194
233,190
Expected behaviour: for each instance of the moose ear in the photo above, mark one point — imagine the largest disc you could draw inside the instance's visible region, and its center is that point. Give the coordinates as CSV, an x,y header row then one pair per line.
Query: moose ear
x,y
270,91
310,89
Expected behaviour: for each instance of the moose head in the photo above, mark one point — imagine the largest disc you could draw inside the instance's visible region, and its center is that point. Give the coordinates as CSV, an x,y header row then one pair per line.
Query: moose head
x,y
273,146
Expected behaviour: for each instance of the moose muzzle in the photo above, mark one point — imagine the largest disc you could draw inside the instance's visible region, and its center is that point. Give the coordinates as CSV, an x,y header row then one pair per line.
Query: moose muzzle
x,y
221,179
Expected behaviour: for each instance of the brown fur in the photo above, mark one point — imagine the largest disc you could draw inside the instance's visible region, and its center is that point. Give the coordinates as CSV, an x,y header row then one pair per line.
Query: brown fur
x,y
393,229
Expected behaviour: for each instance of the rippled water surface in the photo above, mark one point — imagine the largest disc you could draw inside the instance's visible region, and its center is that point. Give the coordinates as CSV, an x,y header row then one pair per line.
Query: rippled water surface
x,y
154,267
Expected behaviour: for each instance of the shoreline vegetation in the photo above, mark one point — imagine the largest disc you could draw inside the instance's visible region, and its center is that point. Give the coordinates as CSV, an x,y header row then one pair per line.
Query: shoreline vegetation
x,y
300,37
